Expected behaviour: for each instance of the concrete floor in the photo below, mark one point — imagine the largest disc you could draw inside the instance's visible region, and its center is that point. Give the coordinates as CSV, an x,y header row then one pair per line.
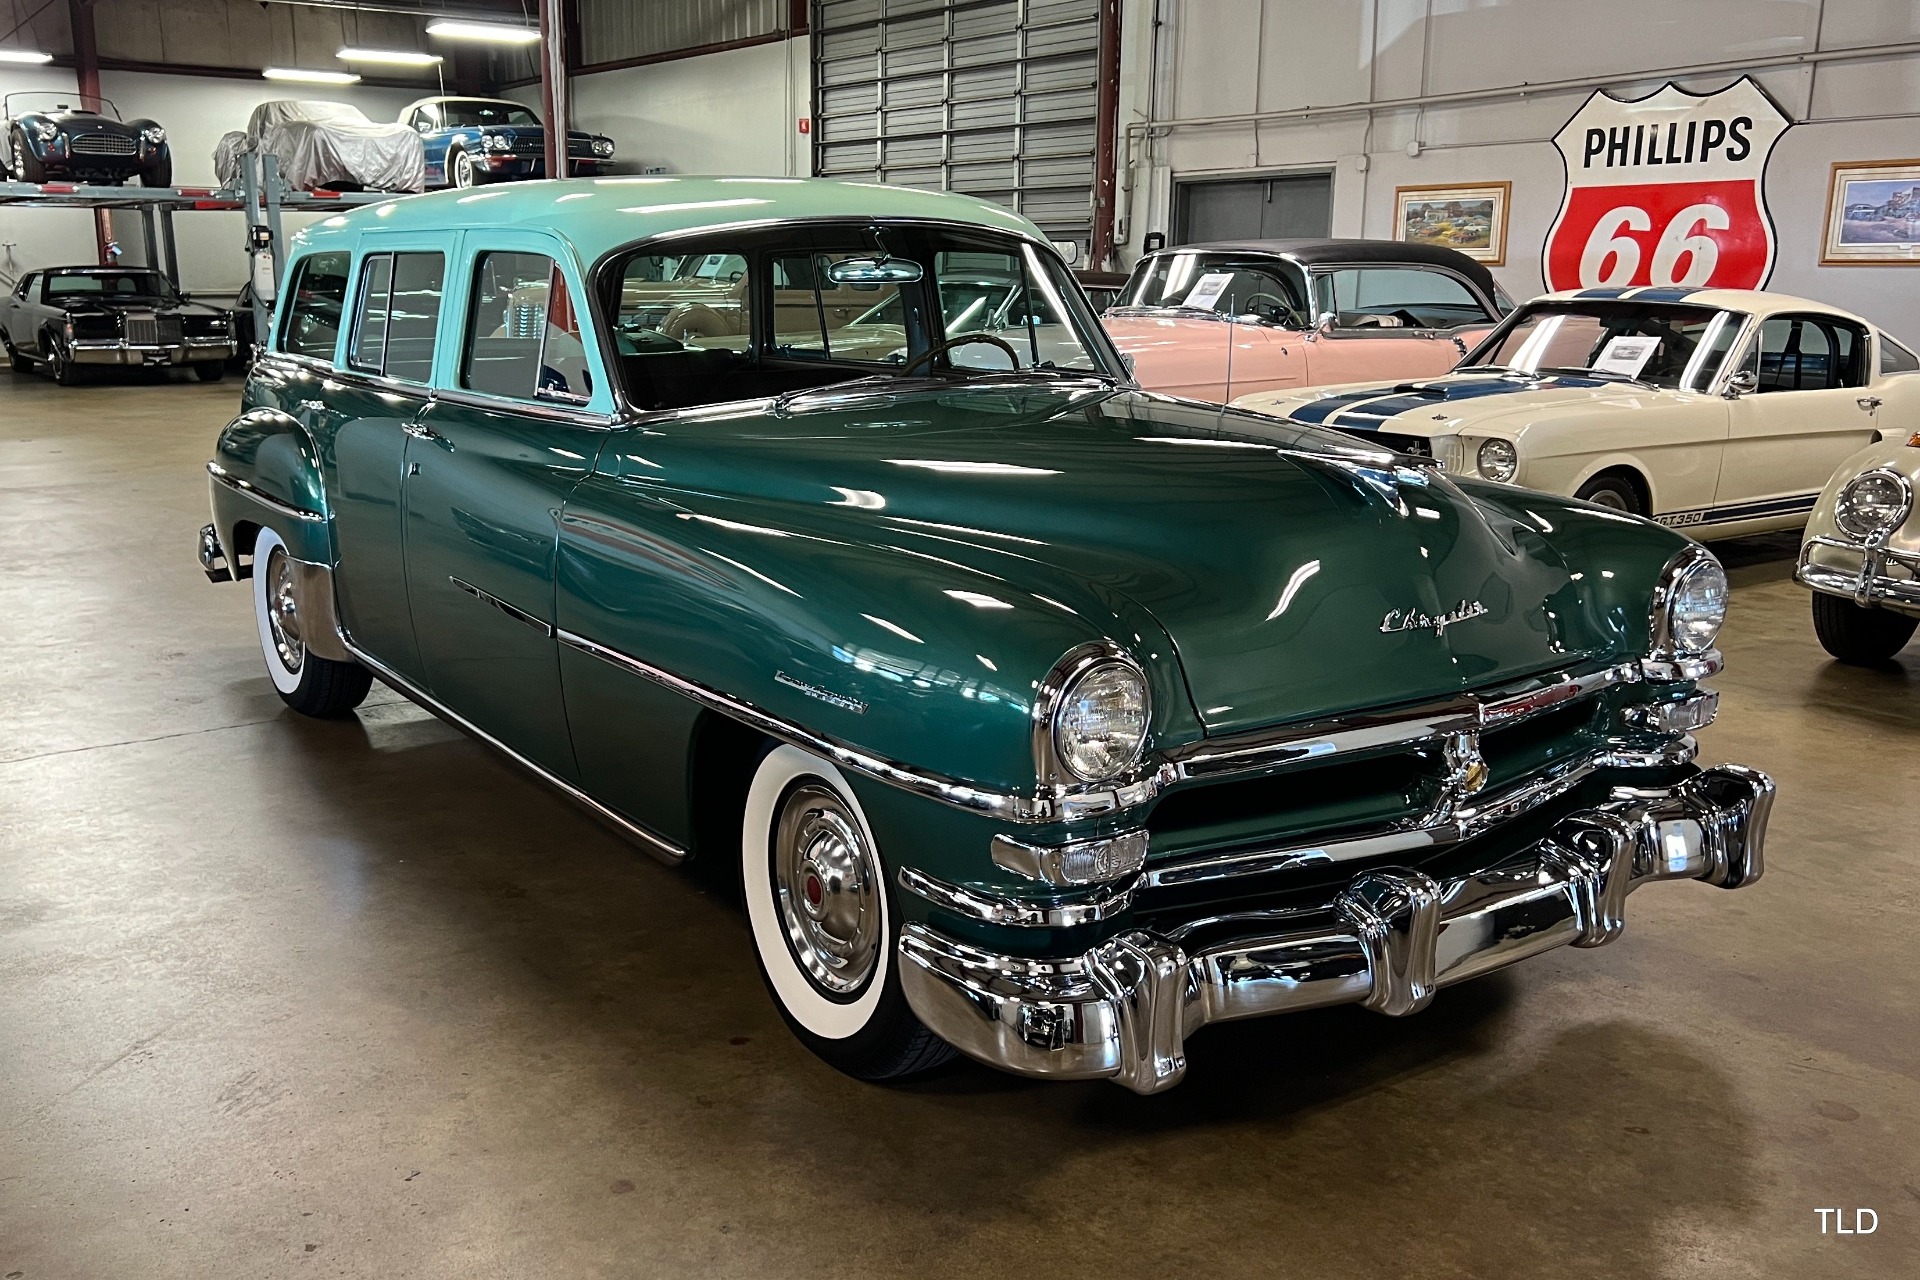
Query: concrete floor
x,y
280,997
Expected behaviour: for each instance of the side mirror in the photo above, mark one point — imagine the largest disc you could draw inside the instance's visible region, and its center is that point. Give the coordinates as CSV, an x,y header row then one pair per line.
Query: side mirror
x,y
1742,382
1323,325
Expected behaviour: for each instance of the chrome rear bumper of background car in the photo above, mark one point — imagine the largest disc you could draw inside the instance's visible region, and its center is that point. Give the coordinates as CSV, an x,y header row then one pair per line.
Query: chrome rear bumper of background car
x,y
1870,583
1391,938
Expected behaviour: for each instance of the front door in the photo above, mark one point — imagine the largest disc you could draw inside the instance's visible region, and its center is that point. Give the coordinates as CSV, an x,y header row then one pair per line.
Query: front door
x,y
1811,410
489,465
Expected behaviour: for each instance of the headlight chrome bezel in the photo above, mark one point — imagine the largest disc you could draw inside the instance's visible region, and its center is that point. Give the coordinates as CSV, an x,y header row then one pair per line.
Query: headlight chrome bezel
x,y
153,135
1868,531
603,147
1674,645
1497,460
1052,760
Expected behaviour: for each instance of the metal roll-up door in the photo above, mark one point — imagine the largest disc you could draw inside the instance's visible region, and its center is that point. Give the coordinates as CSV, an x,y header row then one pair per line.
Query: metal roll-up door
x,y
996,98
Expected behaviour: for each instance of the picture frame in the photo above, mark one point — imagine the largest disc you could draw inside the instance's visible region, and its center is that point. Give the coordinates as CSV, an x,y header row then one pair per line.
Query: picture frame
x,y
1470,217
1873,214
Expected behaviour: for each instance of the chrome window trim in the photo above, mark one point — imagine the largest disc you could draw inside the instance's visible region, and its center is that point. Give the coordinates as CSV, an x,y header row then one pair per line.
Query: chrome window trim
x,y
222,475
1318,269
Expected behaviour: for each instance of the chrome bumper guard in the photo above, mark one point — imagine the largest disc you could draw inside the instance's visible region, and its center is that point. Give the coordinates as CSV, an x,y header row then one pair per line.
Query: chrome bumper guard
x,y
213,557
1391,938
1868,585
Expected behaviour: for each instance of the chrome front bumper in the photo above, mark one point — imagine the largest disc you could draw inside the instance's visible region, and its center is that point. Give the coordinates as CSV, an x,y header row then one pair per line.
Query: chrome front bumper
x,y
1389,940
1871,583
191,351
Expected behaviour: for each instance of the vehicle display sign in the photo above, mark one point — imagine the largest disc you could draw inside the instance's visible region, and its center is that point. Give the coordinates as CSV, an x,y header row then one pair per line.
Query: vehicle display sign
x,y
1626,356
1666,190
1206,294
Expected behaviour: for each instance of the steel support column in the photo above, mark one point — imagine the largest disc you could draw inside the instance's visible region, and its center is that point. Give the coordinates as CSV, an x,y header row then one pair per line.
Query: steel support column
x,y
553,84
1106,137
86,74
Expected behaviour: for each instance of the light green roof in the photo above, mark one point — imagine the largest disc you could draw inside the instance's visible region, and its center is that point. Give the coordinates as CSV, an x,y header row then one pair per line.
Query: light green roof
x,y
600,214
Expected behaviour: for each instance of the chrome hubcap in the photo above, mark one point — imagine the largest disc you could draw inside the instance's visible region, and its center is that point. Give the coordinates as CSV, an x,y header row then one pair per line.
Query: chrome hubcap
x,y
283,613
463,170
1609,499
828,881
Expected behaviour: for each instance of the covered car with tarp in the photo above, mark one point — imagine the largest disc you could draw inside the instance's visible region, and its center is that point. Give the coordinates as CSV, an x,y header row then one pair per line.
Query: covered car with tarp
x,y
326,145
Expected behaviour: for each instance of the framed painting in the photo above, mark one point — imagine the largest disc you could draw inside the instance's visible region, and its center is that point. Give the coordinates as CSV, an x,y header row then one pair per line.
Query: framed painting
x,y
1471,218
1873,214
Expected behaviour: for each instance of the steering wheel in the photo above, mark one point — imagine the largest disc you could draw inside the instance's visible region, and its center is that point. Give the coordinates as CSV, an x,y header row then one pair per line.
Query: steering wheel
x,y
959,340
1279,304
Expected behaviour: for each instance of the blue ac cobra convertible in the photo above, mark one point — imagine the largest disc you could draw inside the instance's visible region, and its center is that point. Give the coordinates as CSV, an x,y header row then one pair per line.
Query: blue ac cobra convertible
x,y
56,135
474,140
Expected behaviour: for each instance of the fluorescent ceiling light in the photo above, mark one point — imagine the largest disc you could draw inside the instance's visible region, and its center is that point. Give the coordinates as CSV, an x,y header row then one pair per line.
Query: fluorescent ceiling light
x,y
25,55
392,57
310,77
493,32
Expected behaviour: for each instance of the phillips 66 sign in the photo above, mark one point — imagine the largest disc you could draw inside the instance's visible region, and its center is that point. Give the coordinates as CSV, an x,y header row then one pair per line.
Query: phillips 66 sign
x,y
1666,190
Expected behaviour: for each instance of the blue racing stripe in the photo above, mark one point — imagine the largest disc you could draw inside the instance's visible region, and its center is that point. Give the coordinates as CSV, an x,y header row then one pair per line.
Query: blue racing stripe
x,y
1601,293
1356,415
1315,412
1674,294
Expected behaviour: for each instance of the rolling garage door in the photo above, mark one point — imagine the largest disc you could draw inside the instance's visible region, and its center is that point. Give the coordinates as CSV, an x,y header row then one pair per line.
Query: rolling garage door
x,y
995,98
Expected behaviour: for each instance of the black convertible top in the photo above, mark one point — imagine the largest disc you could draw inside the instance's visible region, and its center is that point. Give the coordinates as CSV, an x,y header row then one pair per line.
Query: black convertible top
x,y
1328,251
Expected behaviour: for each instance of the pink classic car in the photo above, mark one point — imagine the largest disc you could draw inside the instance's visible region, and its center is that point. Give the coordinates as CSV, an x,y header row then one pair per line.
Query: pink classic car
x,y
1216,321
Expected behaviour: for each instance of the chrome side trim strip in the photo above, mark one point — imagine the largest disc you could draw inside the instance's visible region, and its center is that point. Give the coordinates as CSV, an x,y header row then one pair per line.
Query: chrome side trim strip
x,y
259,495
517,614
1022,913
659,846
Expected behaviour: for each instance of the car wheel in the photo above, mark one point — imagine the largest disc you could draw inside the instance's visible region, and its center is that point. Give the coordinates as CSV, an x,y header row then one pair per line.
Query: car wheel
x,y
823,926
160,175
31,169
210,370
60,365
310,684
1858,635
19,364
1616,493
460,170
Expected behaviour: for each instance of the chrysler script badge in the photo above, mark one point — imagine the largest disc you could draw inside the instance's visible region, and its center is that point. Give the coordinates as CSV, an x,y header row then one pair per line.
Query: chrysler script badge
x,y
1414,620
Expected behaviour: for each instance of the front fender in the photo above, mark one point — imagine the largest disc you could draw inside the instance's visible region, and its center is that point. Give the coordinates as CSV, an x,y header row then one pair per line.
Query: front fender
x,y
265,471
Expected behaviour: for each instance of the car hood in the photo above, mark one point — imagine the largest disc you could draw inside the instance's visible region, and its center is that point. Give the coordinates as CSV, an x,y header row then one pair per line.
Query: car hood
x,y
112,306
1297,574
1460,401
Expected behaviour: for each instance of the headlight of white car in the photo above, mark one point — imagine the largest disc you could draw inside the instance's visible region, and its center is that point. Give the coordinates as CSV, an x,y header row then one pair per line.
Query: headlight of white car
x,y
1497,460
1690,605
1873,503
1100,720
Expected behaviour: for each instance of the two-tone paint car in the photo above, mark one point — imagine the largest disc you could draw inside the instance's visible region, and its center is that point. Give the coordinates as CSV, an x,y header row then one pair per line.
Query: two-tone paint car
x,y
1717,411
1045,718
48,135
1861,553
470,141
1222,320
70,319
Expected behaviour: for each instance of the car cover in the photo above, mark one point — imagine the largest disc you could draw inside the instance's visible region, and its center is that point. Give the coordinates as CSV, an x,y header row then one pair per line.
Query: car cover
x,y
320,144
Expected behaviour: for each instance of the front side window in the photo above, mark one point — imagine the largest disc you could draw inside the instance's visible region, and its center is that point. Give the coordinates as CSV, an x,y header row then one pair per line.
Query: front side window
x,y
1808,353
1664,346
315,305
25,286
1222,284
1397,297
524,338
398,315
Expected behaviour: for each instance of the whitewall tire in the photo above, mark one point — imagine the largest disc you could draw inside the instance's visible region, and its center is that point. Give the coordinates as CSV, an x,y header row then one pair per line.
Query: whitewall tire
x,y
823,923
308,683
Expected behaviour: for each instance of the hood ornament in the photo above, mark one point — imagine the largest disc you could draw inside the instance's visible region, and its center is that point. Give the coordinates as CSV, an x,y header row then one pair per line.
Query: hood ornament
x,y
1414,620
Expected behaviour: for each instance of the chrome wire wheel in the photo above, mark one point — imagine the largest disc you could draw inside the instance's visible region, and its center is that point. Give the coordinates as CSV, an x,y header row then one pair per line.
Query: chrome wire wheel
x,y
283,612
827,882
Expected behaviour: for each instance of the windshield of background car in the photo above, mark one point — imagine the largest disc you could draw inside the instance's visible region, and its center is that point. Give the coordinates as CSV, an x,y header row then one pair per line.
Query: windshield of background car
x,y
109,284
739,315
1667,346
1222,283
56,100
486,115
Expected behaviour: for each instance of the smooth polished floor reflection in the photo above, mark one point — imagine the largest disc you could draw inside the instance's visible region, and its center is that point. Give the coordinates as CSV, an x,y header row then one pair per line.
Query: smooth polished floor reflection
x,y
278,994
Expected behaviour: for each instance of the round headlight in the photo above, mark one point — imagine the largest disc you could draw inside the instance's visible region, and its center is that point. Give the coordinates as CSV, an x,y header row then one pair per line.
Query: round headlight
x,y
1697,605
47,130
1497,460
1872,503
602,147
154,133
1100,724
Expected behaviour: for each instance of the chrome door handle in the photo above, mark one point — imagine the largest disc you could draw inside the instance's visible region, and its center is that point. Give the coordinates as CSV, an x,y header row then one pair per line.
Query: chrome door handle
x,y
1869,403
419,432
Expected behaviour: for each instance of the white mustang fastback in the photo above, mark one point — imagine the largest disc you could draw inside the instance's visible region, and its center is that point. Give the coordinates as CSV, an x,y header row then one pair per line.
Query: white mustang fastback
x,y
1719,411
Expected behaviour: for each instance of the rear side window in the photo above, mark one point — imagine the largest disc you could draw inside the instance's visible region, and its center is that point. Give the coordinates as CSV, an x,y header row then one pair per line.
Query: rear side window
x,y
398,316
1806,353
1396,297
523,336
1895,358
314,306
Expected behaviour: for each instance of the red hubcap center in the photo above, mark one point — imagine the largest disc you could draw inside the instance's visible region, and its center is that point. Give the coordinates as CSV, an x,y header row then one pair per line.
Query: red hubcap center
x,y
814,890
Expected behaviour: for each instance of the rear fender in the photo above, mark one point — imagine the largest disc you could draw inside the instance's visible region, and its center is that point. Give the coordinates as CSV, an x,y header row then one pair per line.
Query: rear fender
x,y
265,472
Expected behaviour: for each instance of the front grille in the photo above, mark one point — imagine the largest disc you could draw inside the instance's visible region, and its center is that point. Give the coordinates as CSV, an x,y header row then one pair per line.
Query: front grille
x,y
153,331
103,144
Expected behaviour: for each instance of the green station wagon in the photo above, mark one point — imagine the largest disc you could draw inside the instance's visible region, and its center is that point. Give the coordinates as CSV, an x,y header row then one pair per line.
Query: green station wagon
x,y
1047,719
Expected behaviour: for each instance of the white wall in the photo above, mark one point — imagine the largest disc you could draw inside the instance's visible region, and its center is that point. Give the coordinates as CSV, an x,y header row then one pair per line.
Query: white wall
x,y
195,110
735,112
1231,57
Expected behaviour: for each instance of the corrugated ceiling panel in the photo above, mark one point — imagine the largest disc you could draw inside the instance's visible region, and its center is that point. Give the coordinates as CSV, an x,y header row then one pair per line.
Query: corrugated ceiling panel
x,y
616,30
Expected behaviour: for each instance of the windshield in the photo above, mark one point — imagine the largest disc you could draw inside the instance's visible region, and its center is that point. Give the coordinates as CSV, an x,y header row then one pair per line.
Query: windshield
x,y
17,104
1224,284
110,284
983,305
486,115
1654,343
